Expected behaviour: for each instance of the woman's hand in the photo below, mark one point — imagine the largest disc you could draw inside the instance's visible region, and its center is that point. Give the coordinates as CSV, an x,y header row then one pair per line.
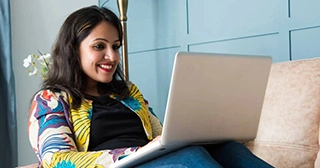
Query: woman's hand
x,y
154,139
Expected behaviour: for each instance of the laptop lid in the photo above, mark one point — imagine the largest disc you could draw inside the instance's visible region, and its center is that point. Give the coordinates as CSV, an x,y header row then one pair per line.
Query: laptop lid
x,y
215,97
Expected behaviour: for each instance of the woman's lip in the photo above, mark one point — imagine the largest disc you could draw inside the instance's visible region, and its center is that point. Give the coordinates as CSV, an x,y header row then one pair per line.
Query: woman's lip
x,y
106,67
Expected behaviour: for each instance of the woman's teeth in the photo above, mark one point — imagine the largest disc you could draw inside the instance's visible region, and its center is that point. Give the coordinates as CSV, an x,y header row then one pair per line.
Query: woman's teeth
x,y
106,66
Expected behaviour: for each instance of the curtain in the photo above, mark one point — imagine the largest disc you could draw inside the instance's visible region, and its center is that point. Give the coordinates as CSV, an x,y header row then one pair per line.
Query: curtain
x,y
8,125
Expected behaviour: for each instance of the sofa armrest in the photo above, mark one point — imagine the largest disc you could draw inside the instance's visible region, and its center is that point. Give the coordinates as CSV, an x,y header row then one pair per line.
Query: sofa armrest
x,y
288,134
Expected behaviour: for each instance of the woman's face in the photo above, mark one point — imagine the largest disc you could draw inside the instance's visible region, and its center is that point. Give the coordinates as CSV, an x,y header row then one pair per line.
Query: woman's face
x,y
99,53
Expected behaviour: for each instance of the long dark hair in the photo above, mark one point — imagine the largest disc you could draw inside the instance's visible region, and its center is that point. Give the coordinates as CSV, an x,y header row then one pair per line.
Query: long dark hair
x,y
65,72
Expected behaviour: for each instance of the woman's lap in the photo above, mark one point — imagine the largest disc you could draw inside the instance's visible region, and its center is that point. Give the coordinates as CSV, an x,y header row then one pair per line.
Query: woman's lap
x,y
191,156
235,154
230,154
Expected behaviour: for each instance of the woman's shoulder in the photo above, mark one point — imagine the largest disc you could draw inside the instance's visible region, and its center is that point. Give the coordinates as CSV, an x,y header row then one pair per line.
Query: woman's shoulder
x,y
133,88
131,85
49,94
134,92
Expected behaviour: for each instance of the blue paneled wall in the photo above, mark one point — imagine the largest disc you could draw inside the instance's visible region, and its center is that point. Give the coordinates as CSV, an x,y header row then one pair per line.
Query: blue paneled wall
x,y
157,29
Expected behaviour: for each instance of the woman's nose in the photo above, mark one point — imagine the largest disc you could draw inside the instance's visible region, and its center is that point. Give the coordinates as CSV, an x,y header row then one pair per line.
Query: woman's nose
x,y
110,55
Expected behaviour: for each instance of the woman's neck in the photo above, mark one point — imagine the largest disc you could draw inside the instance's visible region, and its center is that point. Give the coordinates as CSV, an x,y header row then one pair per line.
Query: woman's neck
x,y
92,88
92,93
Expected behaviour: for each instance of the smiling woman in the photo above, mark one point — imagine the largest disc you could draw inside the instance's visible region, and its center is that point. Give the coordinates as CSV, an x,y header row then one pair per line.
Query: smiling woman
x,y
87,115
99,55
83,77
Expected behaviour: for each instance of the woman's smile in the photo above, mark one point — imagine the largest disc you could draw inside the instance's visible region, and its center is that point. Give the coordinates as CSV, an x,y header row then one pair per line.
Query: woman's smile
x,y
106,67
99,53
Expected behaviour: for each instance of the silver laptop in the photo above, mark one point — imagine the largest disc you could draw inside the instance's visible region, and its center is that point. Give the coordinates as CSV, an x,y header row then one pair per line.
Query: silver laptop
x,y
213,98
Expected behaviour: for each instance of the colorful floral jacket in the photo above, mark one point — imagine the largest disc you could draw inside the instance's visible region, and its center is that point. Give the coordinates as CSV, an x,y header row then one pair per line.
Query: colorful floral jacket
x,y
60,135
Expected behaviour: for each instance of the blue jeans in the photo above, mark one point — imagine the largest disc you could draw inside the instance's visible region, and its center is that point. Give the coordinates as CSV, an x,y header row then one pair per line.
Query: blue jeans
x,y
230,154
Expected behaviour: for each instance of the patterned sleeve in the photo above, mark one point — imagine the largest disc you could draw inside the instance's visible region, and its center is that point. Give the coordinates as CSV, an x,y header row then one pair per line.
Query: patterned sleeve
x,y
52,138
156,124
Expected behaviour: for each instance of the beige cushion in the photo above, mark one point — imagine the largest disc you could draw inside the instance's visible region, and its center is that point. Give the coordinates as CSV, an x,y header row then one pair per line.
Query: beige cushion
x,y
288,134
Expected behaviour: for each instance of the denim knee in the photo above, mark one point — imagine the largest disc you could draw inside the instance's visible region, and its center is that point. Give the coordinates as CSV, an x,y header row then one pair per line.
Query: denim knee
x,y
187,157
236,154
234,144
194,149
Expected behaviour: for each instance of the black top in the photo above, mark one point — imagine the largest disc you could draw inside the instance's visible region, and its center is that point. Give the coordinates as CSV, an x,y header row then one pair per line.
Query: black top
x,y
113,125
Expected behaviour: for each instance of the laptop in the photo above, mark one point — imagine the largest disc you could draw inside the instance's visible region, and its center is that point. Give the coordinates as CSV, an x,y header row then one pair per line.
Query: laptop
x,y
213,98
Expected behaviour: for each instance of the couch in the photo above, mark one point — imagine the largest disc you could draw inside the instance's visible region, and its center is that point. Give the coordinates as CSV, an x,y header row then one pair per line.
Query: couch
x,y
288,134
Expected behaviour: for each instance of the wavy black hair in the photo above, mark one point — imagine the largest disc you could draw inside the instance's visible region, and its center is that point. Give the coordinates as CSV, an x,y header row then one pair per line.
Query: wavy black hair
x,y
65,72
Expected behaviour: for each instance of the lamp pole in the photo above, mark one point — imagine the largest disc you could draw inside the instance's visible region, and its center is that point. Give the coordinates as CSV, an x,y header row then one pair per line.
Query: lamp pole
x,y
123,6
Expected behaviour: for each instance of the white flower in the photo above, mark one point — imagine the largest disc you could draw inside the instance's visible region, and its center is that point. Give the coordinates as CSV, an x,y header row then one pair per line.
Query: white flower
x,y
27,61
34,72
44,59
37,64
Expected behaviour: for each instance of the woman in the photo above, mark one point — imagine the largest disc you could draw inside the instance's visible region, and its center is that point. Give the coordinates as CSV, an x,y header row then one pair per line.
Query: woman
x,y
86,115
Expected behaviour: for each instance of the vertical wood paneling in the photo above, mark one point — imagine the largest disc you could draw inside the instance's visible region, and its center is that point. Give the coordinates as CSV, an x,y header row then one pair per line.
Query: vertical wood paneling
x,y
267,44
304,9
232,18
305,43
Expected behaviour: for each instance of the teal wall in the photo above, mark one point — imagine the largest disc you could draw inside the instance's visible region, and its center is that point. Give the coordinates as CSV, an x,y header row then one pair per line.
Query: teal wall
x,y
157,29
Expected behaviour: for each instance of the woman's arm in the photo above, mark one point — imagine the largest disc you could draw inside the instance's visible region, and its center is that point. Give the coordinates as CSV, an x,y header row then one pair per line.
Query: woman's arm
x,y
156,125
52,138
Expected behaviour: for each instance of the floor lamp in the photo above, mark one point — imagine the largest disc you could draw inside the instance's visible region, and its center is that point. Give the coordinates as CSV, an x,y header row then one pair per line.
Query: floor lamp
x,y
123,6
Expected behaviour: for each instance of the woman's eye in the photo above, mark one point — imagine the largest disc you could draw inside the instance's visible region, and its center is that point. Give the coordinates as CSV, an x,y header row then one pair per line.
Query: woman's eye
x,y
116,47
99,46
